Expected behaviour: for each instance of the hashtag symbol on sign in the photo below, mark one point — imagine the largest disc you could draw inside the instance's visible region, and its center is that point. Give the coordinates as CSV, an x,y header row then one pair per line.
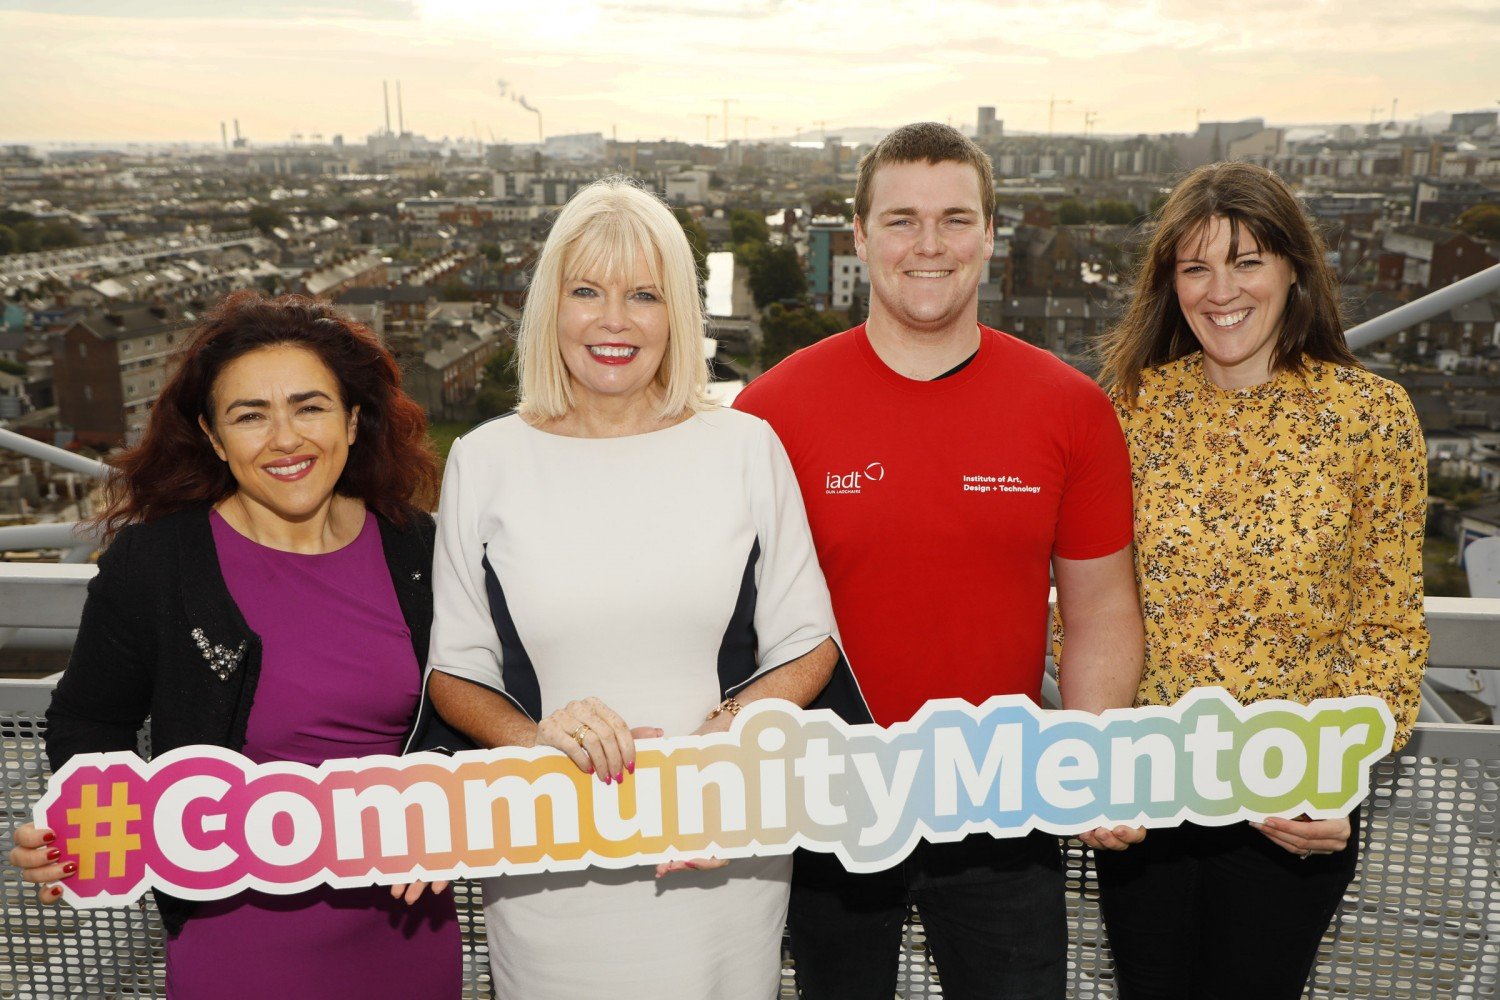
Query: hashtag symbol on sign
x,y
90,818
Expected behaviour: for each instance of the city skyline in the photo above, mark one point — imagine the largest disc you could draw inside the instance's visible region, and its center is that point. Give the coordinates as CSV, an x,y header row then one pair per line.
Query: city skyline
x,y
168,72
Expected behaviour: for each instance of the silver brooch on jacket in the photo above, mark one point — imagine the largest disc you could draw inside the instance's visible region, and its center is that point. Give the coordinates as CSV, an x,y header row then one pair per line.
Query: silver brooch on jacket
x,y
221,659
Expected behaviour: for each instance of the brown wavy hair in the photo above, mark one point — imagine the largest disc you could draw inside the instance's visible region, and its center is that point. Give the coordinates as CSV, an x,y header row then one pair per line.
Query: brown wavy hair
x,y
392,467
1253,200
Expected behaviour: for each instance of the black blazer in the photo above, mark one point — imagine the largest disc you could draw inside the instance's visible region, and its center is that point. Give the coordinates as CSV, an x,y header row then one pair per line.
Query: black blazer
x,y
162,638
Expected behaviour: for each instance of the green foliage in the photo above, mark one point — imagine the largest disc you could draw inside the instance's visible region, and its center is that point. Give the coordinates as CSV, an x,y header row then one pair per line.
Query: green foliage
x,y
498,390
836,200
491,252
785,329
455,289
442,434
1072,212
1482,221
12,367
697,238
1441,574
1109,211
1115,213
746,226
1462,491
20,233
776,275
1157,201
434,183
267,217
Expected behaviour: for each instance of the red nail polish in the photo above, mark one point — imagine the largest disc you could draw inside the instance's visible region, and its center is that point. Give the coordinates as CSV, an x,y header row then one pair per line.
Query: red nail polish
x,y
690,864
69,868
620,776
607,778
54,854
630,767
48,837
56,891
591,770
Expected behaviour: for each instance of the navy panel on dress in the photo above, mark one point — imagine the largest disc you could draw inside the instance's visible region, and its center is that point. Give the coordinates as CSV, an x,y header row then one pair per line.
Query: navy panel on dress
x,y
516,669
737,649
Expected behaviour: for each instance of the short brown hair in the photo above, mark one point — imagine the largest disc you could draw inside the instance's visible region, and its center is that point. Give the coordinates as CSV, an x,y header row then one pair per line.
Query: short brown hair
x,y
392,469
1252,200
934,143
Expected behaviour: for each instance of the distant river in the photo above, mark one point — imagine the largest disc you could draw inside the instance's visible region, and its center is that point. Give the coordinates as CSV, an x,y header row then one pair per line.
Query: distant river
x,y
719,290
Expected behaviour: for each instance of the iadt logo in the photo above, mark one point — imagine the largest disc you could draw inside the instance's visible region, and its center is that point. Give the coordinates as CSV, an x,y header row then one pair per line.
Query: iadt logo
x,y
853,482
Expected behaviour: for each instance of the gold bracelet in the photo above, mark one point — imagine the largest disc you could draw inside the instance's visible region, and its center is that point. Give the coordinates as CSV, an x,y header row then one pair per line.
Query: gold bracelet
x,y
727,705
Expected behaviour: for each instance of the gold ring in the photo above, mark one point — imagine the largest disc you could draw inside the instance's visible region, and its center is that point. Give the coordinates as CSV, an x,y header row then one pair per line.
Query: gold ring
x,y
577,734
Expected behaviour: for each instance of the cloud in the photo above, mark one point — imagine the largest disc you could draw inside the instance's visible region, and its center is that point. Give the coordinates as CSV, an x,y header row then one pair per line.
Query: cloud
x,y
267,10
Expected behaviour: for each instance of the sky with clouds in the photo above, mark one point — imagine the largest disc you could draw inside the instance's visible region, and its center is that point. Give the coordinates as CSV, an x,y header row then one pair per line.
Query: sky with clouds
x,y
162,70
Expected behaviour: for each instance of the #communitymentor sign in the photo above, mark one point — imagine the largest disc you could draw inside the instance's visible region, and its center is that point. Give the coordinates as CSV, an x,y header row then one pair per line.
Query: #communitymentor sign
x,y
204,823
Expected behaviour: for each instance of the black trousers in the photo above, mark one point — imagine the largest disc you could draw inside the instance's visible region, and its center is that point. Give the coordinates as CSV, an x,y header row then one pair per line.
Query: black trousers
x,y
993,911
1218,913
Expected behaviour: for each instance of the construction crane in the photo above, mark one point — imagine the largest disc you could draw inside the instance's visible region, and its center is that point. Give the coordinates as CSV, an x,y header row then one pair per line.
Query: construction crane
x,y
1052,109
1089,117
745,121
708,121
727,101
1051,102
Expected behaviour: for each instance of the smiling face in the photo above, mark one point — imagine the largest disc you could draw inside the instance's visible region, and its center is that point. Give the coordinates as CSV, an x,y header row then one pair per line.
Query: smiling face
x,y
1233,306
926,241
279,421
612,330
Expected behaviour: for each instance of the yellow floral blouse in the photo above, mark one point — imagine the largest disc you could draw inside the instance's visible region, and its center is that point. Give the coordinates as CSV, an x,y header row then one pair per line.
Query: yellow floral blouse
x,y
1279,536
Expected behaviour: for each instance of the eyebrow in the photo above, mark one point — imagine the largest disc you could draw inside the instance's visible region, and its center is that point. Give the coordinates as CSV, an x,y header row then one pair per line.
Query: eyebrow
x,y
912,211
650,285
294,398
1199,260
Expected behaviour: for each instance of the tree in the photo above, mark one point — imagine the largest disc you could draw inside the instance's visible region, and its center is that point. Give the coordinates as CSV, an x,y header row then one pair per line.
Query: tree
x,y
455,289
1481,221
785,329
1115,213
746,226
498,390
9,241
1072,212
697,238
267,217
776,275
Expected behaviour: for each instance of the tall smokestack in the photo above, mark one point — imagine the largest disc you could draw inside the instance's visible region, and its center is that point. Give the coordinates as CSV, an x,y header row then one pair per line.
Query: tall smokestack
x,y
236,130
224,134
400,116
385,88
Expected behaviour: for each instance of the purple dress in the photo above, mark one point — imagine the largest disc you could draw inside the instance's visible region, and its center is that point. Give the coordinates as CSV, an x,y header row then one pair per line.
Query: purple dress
x,y
338,679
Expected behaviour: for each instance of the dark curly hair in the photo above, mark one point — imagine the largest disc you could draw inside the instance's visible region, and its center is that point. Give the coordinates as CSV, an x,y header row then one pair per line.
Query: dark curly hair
x,y
173,467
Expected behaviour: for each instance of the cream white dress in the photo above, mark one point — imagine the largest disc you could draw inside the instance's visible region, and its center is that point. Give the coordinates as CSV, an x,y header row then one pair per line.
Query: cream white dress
x,y
658,573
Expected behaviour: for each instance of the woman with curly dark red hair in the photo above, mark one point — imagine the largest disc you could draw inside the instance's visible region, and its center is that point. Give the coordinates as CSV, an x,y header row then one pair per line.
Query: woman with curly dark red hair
x,y
266,590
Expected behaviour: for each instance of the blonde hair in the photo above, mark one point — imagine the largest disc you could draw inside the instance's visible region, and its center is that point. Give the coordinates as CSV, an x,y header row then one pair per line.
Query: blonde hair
x,y
603,228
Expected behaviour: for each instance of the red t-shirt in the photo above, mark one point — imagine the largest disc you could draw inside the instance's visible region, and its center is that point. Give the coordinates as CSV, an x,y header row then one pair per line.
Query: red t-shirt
x,y
936,507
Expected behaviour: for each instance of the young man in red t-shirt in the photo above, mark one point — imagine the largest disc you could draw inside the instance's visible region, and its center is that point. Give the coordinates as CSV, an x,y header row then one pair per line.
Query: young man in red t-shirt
x,y
945,468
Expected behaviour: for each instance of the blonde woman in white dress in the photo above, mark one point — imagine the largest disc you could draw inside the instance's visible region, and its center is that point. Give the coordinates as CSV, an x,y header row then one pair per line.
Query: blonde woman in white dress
x,y
619,560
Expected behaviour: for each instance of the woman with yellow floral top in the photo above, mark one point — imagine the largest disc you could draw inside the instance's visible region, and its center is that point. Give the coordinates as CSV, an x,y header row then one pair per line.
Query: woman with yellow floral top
x,y
1280,494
